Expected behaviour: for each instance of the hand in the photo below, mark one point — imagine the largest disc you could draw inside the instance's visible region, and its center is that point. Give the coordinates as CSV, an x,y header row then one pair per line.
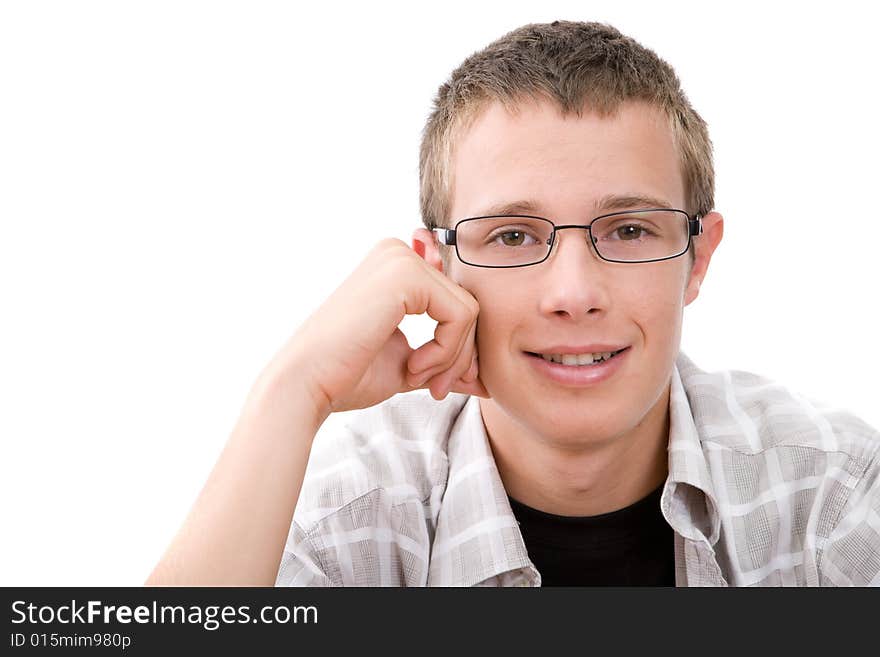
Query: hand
x,y
351,354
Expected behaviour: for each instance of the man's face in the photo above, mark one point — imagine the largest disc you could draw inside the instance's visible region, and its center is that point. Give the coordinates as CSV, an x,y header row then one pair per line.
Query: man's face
x,y
570,169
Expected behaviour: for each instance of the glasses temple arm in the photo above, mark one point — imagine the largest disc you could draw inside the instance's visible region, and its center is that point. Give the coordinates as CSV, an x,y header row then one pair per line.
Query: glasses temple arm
x,y
445,235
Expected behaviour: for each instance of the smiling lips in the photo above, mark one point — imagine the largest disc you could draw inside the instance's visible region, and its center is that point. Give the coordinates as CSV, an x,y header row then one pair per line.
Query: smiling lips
x,y
580,359
587,355
583,369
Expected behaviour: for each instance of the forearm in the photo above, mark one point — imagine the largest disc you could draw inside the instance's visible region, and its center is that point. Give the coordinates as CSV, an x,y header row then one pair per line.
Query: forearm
x,y
236,530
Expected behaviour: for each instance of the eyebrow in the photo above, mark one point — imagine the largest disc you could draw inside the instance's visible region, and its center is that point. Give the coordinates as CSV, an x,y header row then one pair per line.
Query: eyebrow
x,y
607,202
628,201
516,207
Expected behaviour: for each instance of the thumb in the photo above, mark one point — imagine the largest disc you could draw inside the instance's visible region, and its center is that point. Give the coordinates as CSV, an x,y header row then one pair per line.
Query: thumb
x,y
474,387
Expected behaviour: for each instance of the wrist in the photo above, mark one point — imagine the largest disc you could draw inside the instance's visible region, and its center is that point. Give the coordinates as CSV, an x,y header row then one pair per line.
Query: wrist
x,y
285,390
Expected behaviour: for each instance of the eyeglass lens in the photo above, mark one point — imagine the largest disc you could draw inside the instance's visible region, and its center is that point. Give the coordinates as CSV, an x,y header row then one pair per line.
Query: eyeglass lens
x,y
510,241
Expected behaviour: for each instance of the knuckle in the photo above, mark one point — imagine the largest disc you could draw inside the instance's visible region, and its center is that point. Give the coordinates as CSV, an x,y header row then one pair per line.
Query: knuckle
x,y
393,243
396,258
386,245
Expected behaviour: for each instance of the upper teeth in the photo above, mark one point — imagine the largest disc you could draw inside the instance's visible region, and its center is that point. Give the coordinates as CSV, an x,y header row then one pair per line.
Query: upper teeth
x,y
577,359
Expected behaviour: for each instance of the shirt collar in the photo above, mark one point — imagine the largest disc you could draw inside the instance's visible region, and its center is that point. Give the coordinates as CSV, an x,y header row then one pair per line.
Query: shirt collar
x,y
688,502
477,536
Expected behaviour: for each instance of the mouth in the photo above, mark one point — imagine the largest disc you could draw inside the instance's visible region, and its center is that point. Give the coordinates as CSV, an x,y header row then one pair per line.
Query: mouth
x,y
578,360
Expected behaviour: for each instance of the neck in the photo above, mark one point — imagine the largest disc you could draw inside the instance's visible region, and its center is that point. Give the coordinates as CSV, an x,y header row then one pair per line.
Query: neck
x,y
588,479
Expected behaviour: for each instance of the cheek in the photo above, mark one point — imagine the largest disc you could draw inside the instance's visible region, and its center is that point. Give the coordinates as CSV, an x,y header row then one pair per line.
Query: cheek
x,y
659,310
653,302
501,312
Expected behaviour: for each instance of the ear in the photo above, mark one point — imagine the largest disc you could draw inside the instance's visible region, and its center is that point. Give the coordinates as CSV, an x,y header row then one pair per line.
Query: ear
x,y
425,244
704,246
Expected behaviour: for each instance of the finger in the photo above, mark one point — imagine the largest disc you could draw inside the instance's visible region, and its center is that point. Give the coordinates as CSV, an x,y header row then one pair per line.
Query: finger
x,y
434,385
420,379
471,374
467,365
427,378
445,349
423,378
456,312
437,386
440,388
471,388
471,383
464,362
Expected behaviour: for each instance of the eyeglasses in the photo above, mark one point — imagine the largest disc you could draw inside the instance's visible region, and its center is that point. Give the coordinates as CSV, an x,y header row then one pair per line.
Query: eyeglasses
x,y
632,236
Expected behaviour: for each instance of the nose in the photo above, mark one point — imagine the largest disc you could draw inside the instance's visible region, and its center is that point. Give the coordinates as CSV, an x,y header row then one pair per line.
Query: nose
x,y
574,276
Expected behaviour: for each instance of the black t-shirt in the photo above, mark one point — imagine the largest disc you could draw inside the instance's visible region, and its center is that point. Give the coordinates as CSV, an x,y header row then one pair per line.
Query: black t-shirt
x,y
632,546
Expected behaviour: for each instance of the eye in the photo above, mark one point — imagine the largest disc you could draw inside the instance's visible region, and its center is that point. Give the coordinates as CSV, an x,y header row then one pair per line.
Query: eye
x,y
512,237
631,232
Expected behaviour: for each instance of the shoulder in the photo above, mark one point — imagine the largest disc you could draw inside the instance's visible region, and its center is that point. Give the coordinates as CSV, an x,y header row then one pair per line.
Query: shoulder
x,y
367,509
398,447
751,413
796,482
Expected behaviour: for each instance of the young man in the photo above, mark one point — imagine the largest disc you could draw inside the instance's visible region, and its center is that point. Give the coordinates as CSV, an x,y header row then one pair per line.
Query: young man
x,y
567,192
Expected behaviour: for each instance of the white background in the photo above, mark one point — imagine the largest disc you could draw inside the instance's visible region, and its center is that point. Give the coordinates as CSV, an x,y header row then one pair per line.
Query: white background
x,y
181,183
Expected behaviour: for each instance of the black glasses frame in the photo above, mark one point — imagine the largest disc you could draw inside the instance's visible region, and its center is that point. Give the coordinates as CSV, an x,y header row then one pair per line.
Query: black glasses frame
x,y
447,236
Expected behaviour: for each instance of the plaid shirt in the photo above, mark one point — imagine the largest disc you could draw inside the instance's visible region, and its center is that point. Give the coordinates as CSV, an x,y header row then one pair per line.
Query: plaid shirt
x,y
765,488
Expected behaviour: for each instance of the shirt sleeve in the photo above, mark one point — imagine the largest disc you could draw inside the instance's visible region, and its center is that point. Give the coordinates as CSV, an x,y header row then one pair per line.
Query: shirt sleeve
x,y
851,556
300,563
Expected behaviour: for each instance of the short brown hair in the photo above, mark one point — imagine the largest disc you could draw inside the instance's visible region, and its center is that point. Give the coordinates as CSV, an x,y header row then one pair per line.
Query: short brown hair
x,y
578,66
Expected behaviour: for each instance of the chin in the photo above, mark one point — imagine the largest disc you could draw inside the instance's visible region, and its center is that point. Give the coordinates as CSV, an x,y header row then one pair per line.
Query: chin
x,y
589,424
565,419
